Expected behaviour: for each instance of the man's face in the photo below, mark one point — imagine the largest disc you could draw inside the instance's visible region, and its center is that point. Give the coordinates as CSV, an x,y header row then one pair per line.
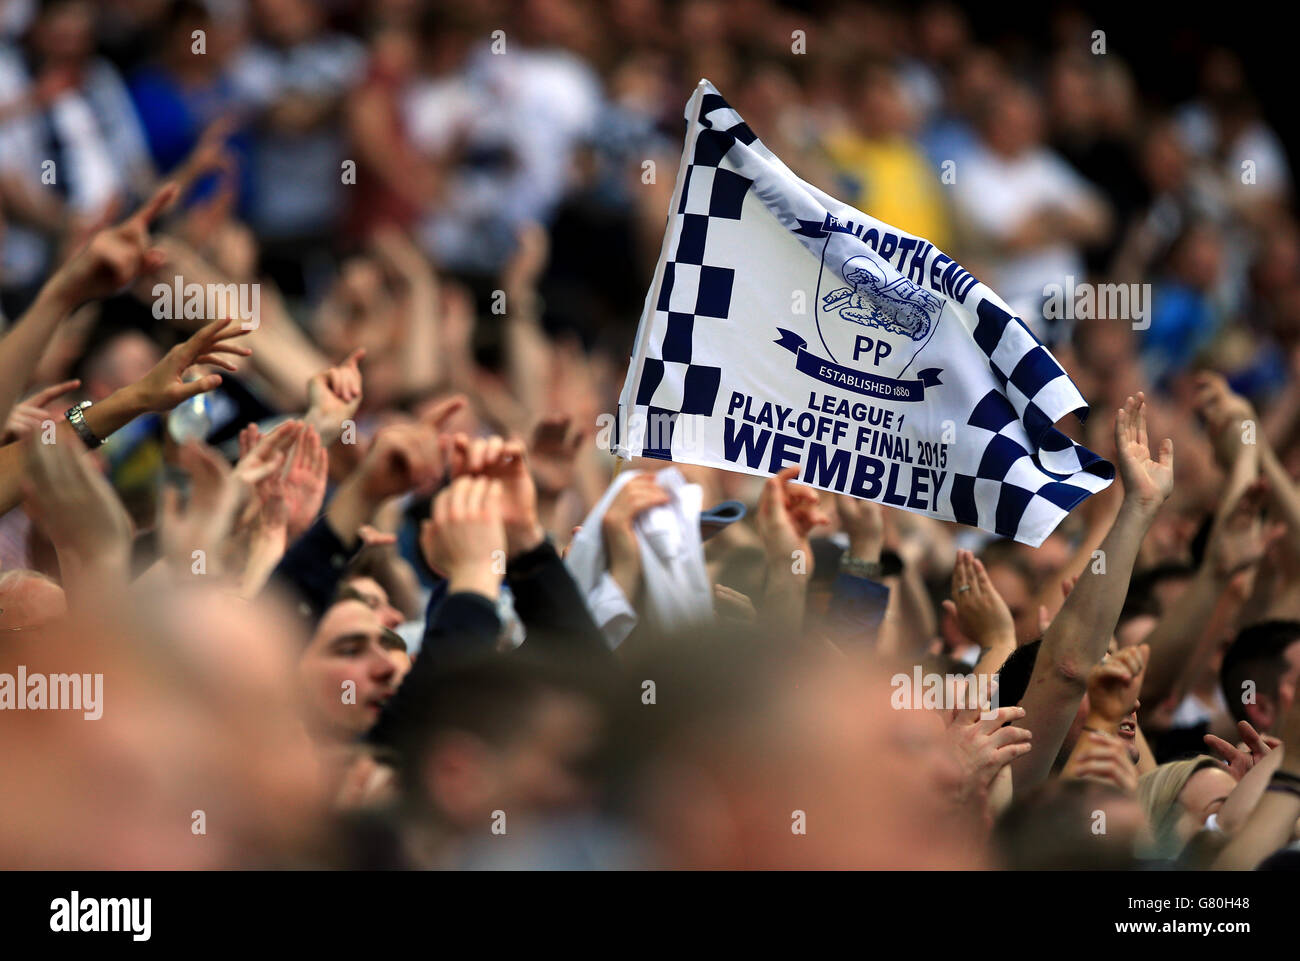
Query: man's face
x,y
1016,124
1286,684
369,591
124,360
542,770
347,672
730,802
539,770
1013,587
66,32
1128,727
1267,711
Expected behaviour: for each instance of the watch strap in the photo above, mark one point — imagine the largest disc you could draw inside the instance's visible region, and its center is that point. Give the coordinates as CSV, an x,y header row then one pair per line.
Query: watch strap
x,y
77,419
860,568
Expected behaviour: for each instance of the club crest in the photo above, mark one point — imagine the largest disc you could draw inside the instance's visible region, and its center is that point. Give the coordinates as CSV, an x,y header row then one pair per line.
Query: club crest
x,y
871,299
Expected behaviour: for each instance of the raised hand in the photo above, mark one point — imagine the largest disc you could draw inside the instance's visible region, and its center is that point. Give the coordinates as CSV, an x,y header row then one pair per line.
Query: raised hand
x,y
200,525
864,523
403,457
116,256
1147,480
1224,414
403,258
978,608
1242,759
1239,539
165,386
529,259
985,745
69,498
464,539
211,154
263,460
1102,757
334,395
266,516
505,461
1114,685
732,605
552,453
217,492
786,513
439,413
637,496
28,415
303,484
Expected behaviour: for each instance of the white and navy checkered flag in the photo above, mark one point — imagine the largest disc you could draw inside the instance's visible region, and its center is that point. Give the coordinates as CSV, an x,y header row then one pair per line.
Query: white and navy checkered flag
x,y
784,327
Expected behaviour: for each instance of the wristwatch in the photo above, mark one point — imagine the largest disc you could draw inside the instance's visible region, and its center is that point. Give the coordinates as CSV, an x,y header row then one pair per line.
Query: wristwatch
x,y
860,568
78,421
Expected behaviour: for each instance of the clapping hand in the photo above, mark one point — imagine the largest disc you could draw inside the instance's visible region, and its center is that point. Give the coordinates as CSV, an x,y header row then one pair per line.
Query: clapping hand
x,y
787,512
1148,480
978,608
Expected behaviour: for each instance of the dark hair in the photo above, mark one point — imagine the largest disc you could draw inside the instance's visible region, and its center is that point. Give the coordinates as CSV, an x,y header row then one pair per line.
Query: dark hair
x,y
1013,676
492,697
1141,598
185,13
719,681
1050,829
1256,654
1009,554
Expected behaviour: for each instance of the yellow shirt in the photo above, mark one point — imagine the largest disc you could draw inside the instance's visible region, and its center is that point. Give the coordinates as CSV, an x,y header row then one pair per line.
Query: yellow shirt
x,y
895,183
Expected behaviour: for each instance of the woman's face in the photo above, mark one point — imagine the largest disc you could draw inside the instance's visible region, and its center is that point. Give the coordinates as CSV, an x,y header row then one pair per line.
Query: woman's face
x,y
1203,795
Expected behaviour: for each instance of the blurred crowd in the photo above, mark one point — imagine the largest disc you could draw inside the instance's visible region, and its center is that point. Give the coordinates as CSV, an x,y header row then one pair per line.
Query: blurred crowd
x,y
361,579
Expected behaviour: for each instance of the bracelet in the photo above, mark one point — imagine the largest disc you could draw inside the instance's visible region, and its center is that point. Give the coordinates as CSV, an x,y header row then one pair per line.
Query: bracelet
x,y
77,419
860,568
1096,731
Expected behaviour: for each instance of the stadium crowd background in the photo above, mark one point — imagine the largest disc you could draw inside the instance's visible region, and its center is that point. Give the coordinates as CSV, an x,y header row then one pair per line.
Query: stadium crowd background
x,y
453,212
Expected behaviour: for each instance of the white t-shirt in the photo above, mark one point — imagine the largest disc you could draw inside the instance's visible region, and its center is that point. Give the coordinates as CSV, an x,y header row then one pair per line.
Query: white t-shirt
x,y
89,139
996,195
528,110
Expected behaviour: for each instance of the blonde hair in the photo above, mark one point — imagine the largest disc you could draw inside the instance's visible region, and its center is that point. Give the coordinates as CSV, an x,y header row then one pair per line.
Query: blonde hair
x,y
1158,792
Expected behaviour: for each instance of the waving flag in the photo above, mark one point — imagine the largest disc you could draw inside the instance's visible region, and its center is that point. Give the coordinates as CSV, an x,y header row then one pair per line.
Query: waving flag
x,y
784,327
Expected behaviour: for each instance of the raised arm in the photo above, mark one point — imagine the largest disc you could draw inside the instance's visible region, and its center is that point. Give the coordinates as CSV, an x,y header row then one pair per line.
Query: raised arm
x,y
1078,637
786,513
981,613
1271,825
546,598
1113,688
76,507
1237,542
160,390
111,260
